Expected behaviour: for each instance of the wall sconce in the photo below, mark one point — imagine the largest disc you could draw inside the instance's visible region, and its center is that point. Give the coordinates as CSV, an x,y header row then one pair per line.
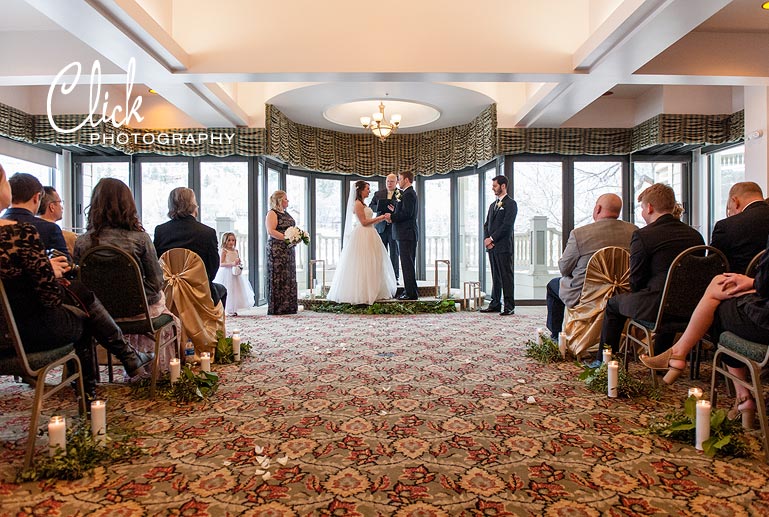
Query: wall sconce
x,y
755,135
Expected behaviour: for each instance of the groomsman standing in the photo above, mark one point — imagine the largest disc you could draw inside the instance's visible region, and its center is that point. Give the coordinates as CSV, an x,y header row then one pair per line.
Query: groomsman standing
x,y
498,241
380,205
406,232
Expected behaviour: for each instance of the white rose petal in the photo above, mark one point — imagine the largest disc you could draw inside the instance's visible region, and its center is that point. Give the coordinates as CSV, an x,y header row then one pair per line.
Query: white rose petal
x,y
383,412
506,395
266,476
521,381
531,400
258,449
283,460
260,472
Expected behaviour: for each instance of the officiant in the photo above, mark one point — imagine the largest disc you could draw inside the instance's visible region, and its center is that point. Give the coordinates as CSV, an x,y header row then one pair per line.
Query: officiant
x,y
380,204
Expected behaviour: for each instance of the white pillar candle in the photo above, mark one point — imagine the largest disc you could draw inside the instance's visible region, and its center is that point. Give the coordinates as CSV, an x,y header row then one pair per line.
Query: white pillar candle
x,y
606,355
696,393
299,308
57,435
99,421
612,378
540,331
562,341
205,362
236,345
175,367
702,423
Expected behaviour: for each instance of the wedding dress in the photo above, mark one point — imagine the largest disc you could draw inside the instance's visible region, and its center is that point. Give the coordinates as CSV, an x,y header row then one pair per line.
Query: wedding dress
x,y
364,273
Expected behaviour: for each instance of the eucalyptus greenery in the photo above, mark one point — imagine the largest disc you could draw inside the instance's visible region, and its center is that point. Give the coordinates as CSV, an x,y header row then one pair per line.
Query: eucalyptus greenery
x,y
545,352
596,379
190,387
419,307
726,436
83,455
223,350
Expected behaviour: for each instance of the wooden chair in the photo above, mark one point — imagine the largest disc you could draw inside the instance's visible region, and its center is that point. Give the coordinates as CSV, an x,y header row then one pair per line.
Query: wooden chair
x,y
689,275
35,366
751,269
116,279
607,274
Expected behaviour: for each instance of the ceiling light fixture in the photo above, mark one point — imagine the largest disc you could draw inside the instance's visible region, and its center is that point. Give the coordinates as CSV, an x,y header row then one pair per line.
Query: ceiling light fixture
x,y
376,123
765,5
153,92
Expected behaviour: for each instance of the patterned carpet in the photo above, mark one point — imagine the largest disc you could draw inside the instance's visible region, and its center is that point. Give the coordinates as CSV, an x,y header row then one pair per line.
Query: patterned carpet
x,y
389,415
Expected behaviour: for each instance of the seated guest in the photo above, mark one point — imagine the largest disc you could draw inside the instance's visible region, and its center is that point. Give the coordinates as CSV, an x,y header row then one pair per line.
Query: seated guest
x,y
27,192
52,210
50,313
607,230
652,249
742,235
732,302
184,231
114,221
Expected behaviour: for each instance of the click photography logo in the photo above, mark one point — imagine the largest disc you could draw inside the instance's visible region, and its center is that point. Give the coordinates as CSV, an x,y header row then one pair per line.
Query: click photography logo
x,y
121,115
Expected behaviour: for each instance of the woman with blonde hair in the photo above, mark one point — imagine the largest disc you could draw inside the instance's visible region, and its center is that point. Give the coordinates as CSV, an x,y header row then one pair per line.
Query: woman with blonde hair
x,y
281,258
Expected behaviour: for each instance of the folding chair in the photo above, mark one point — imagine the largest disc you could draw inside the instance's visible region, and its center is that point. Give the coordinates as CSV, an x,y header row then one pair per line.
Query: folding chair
x,y
14,360
116,279
688,277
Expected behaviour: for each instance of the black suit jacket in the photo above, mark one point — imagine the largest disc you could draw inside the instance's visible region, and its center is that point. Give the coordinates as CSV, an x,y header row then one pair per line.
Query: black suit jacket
x,y
50,233
381,226
189,233
500,223
742,235
405,227
652,250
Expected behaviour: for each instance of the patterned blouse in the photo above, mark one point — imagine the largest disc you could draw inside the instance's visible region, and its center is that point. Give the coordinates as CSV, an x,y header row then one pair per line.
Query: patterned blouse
x,y
25,270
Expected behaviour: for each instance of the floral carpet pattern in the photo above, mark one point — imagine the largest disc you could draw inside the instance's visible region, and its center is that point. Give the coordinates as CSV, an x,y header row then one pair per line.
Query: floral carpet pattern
x,y
425,415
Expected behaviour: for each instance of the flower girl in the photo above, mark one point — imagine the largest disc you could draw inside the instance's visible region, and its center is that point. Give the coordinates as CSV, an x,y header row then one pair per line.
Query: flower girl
x,y
239,292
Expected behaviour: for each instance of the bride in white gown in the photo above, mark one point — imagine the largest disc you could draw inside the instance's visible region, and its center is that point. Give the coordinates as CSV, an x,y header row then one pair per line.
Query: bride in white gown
x,y
364,273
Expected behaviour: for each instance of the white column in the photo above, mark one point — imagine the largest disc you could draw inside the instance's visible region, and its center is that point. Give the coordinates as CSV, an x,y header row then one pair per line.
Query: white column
x,y
757,147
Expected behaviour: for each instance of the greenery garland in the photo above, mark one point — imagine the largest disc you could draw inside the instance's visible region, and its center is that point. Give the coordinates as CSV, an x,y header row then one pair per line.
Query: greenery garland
x,y
546,351
190,387
223,352
597,379
418,307
726,436
83,455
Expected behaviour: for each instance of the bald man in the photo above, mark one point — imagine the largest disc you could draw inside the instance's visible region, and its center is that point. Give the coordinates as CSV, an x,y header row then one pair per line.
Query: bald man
x,y
746,228
607,230
384,228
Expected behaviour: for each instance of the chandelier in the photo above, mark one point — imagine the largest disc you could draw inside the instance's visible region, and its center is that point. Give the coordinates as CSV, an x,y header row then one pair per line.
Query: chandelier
x,y
376,123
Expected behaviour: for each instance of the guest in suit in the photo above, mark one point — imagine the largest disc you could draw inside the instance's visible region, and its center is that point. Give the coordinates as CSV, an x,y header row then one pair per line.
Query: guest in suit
x,y
27,193
652,249
734,303
607,230
743,233
498,241
384,228
52,210
406,233
184,231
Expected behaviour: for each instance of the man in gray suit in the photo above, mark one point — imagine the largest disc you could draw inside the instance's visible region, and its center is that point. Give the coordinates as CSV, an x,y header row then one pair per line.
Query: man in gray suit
x,y
607,230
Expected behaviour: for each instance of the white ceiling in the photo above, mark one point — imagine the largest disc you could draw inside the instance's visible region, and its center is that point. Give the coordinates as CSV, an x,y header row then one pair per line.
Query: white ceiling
x,y
216,64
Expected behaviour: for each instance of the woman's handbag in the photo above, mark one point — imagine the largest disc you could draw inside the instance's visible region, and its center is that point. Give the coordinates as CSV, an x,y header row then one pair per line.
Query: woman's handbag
x,y
237,270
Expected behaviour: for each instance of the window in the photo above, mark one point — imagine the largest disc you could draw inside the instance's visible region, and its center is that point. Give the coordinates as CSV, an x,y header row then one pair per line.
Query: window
x,y
437,231
328,226
91,173
469,242
158,179
297,193
591,180
46,175
646,174
727,167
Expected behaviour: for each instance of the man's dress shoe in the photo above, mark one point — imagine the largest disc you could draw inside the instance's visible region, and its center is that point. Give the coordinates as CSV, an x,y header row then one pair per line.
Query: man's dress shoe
x,y
491,309
507,312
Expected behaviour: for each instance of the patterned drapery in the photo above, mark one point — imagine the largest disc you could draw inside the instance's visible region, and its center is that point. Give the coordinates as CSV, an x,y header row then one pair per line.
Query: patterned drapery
x,y
427,153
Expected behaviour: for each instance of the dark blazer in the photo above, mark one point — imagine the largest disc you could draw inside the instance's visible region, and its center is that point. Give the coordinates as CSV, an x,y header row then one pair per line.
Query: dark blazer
x,y
500,223
381,226
742,235
652,250
404,218
189,233
50,233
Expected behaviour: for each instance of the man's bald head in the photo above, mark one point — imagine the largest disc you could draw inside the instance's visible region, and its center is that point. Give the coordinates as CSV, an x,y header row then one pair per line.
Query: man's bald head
x,y
608,206
741,195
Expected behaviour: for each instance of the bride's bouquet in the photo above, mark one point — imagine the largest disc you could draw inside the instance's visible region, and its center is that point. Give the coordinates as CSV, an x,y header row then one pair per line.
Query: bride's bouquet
x,y
294,235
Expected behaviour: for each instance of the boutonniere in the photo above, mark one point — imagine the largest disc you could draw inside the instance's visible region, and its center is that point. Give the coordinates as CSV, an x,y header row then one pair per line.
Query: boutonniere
x,y
499,204
398,195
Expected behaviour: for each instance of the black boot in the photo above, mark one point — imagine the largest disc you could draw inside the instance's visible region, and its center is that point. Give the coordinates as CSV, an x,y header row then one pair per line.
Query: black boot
x,y
133,361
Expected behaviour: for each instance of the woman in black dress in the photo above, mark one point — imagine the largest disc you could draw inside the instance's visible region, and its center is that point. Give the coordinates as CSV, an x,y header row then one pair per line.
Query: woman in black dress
x,y
281,259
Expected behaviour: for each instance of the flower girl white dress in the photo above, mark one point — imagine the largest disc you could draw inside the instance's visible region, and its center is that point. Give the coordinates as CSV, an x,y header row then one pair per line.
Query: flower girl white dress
x,y
364,273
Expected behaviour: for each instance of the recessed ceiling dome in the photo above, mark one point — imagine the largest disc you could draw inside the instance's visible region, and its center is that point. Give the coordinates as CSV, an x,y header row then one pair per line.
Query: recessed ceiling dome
x,y
413,114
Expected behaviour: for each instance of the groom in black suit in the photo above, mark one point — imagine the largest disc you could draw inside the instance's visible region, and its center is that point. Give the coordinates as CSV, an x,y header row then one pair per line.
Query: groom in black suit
x,y
498,241
383,198
406,232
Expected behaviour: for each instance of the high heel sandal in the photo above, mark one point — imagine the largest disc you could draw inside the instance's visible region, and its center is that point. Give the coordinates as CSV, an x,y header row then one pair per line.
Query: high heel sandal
x,y
748,414
662,362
